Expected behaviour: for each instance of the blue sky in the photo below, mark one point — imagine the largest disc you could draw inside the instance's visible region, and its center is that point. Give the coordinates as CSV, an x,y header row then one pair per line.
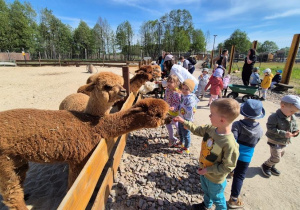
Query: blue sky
x,y
273,20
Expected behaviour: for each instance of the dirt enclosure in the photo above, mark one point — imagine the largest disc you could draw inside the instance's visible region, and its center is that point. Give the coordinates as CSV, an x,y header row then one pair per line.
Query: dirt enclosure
x,y
46,87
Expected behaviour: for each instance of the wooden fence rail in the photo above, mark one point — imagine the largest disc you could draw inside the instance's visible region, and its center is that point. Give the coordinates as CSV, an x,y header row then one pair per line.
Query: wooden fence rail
x,y
100,168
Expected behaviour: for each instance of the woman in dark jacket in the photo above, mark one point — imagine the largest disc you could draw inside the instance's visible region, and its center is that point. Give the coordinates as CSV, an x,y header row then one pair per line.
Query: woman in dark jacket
x,y
248,66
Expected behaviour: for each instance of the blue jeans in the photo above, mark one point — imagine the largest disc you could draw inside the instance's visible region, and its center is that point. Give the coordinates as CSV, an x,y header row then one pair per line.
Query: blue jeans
x,y
184,135
238,178
213,193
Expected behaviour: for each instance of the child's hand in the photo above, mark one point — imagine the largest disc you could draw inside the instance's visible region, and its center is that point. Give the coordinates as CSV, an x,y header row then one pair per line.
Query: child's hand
x,y
289,135
172,108
296,133
202,171
178,119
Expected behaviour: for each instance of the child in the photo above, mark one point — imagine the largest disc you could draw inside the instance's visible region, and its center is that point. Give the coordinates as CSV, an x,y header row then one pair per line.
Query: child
x,y
226,81
203,80
281,126
172,97
187,109
219,151
247,132
254,78
265,83
216,84
277,78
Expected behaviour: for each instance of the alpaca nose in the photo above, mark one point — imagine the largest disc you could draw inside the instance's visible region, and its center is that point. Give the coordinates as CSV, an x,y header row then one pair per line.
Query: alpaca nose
x,y
123,92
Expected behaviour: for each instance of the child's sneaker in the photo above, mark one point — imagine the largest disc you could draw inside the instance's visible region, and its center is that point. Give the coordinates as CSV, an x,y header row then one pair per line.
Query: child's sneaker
x,y
266,170
235,203
178,145
183,150
275,171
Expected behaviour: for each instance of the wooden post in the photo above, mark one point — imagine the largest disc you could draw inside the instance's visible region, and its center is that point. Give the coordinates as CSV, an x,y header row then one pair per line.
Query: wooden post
x,y
125,73
211,60
254,44
40,58
288,68
231,58
140,64
220,51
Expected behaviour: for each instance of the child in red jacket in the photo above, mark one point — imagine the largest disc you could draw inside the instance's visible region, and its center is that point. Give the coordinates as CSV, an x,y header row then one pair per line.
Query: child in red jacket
x,y
216,84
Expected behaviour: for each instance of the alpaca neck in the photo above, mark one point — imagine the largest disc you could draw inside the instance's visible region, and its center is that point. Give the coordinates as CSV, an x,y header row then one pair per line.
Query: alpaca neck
x,y
127,122
98,105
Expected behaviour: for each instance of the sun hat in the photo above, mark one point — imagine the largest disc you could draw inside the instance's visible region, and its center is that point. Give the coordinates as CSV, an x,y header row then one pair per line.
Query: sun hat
x,y
218,72
168,58
279,71
205,69
292,99
190,83
267,70
252,109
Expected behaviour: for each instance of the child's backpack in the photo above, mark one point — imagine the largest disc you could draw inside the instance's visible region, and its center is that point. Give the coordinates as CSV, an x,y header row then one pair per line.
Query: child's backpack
x,y
192,60
226,81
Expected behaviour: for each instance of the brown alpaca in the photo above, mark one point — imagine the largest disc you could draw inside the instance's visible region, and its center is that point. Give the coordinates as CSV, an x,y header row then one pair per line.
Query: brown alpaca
x,y
78,102
47,136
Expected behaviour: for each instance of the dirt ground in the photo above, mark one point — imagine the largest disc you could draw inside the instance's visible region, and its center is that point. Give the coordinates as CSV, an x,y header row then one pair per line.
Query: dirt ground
x,y
46,87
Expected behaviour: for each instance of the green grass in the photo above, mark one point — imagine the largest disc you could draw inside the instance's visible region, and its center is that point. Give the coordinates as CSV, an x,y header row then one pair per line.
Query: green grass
x,y
274,66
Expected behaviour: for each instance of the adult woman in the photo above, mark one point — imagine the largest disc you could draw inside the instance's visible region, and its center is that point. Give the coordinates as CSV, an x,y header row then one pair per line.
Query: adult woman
x,y
179,71
248,66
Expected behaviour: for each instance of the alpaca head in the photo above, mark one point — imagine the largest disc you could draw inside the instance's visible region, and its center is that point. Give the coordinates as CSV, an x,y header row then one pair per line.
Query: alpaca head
x,y
154,112
106,86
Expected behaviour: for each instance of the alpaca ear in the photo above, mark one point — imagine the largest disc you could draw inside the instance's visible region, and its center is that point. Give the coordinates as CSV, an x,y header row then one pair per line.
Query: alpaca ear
x,y
136,109
89,87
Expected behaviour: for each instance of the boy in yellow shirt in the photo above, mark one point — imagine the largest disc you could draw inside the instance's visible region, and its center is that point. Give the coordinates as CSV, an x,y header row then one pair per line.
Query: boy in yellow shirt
x,y
266,83
219,151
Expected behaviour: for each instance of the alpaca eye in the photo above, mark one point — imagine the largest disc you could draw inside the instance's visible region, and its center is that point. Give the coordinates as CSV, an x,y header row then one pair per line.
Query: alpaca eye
x,y
158,115
107,87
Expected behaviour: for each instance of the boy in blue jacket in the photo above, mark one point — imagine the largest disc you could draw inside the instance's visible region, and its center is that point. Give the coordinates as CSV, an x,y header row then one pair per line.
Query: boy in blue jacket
x,y
247,132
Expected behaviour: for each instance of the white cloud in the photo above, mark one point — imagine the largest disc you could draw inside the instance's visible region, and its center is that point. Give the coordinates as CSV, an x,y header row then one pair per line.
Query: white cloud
x,y
284,14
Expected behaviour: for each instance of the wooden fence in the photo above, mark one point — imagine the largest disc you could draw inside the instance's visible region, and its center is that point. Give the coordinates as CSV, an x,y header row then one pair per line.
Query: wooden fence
x,y
92,187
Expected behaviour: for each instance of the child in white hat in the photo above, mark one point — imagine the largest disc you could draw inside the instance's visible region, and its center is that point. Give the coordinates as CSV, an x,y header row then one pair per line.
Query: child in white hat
x,y
203,80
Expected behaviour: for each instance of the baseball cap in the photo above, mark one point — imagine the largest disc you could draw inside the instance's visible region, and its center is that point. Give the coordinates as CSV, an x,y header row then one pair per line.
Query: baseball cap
x,y
292,99
279,71
168,58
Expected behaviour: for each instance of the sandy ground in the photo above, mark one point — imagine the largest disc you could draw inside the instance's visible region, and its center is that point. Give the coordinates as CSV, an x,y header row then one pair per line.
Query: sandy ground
x,y
46,87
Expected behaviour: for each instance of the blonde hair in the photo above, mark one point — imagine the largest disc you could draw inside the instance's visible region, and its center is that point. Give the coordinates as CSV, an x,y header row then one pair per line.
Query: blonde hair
x,y
173,78
227,107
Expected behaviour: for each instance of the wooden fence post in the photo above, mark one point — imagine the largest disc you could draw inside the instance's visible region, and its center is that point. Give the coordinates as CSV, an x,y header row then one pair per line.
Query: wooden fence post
x,y
211,60
231,58
288,68
125,73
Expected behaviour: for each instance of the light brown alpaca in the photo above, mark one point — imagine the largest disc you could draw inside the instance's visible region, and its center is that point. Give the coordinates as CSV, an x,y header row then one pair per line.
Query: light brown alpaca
x,y
104,88
78,102
47,136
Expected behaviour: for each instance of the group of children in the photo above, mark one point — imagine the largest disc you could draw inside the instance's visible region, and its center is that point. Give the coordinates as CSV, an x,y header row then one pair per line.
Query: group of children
x,y
268,81
227,146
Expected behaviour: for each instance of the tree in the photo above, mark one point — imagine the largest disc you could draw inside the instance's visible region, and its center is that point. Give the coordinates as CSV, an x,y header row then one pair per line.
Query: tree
x,y
82,39
4,29
240,40
124,37
55,38
207,40
198,41
22,26
268,46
